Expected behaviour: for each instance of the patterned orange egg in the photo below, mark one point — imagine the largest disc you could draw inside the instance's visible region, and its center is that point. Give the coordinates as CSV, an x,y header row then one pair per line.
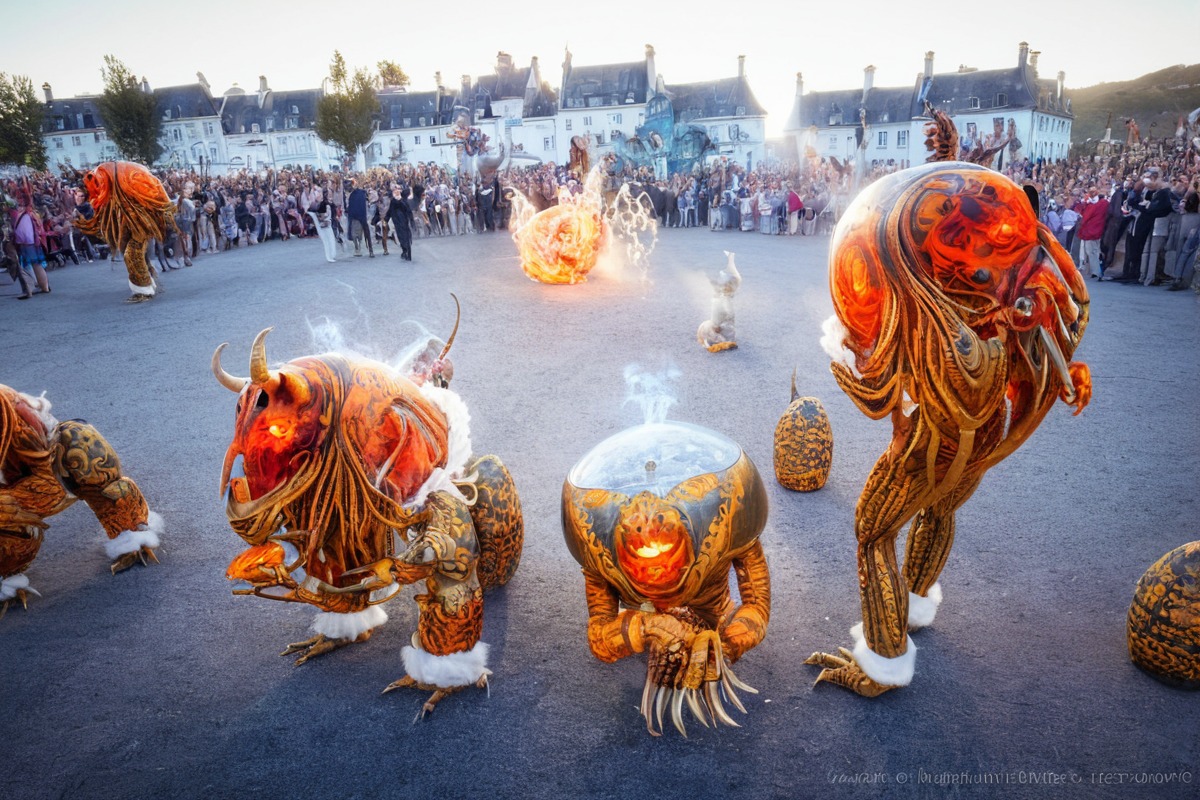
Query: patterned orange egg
x,y
1164,619
803,444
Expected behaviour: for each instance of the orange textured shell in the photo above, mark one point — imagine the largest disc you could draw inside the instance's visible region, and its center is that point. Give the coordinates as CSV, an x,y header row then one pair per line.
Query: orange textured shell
x,y
1164,619
803,445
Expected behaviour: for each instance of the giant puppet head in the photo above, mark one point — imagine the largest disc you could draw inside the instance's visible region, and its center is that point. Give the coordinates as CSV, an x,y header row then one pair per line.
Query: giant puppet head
x,y
328,445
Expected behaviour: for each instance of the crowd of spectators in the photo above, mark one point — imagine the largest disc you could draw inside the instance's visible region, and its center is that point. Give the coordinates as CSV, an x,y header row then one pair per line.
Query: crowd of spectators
x,y
220,212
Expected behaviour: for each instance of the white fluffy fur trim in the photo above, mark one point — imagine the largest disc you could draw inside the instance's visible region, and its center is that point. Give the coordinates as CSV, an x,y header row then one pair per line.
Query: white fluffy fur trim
x,y
896,671
459,420
133,287
10,585
833,342
147,535
446,672
922,610
348,626
41,407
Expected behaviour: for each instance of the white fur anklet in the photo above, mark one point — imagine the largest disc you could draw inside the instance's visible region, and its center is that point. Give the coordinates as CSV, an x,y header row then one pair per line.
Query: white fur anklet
x,y
147,290
332,625
146,535
445,672
922,610
12,584
896,671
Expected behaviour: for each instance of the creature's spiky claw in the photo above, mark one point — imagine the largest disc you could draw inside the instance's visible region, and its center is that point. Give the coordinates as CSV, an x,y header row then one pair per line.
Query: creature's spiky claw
x,y
22,595
317,646
439,692
701,677
842,670
145,554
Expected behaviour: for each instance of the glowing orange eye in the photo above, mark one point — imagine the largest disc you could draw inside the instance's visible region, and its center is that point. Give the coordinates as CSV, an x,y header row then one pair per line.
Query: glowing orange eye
x,y
654,549
279,431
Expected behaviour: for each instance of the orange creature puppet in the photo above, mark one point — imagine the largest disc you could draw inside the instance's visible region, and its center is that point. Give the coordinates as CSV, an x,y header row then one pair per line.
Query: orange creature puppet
x,y
45,466
349,480
957,314
658,515
131,208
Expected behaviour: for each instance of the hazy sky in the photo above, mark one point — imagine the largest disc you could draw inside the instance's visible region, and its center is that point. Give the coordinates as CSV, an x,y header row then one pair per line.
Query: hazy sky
x,y
291,42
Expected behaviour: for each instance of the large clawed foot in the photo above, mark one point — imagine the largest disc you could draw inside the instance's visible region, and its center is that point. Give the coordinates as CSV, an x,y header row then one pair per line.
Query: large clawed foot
x,y
144,554
439,693
22,596
844,671
316,646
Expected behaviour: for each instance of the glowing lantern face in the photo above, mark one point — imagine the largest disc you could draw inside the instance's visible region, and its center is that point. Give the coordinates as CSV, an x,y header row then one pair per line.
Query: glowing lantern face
x,y
278,431
653,545
561,244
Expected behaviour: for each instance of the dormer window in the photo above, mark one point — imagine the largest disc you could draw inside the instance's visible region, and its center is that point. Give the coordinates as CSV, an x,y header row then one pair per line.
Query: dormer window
x,y
972,102
1001,100
296,110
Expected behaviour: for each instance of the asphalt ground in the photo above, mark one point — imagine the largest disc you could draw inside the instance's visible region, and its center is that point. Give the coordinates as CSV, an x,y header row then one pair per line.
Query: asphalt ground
x,y
160,683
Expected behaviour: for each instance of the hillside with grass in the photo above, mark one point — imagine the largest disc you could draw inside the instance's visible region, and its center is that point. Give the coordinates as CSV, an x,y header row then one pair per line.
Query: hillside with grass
x,y
1156,101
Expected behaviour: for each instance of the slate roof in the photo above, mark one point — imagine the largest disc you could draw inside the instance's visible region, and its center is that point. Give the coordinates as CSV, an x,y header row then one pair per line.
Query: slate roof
x,y
604,85
725,97
241,111
187,101
74,114
508,83
954,92
406,109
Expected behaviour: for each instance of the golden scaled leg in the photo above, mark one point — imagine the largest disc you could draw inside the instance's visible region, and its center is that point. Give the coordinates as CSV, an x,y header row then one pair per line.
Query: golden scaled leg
x,y
932,535
900,483
139,271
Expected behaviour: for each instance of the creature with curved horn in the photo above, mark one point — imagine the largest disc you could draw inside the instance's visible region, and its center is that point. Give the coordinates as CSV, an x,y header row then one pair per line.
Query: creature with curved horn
x,y
47,465
349,480
957,314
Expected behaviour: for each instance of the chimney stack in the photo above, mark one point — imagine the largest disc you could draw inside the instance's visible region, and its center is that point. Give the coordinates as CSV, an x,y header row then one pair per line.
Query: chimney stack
x,y
466,89
263,88
145,85
203,82
1062,78
741,67
1033,59
49,94
868,80
651,71
799,83
1022,53
928,63
437,80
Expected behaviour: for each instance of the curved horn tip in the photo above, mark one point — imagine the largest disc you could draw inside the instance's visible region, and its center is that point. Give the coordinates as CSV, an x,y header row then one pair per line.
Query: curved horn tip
x,y
259,374
231,382
795,394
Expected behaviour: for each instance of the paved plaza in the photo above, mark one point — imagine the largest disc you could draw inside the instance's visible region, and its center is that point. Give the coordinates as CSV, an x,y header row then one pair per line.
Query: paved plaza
x,y
159,683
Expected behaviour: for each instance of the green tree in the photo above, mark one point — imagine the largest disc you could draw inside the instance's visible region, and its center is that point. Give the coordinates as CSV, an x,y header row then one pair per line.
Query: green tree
x,y
20,123
391,74
346,114
131,116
